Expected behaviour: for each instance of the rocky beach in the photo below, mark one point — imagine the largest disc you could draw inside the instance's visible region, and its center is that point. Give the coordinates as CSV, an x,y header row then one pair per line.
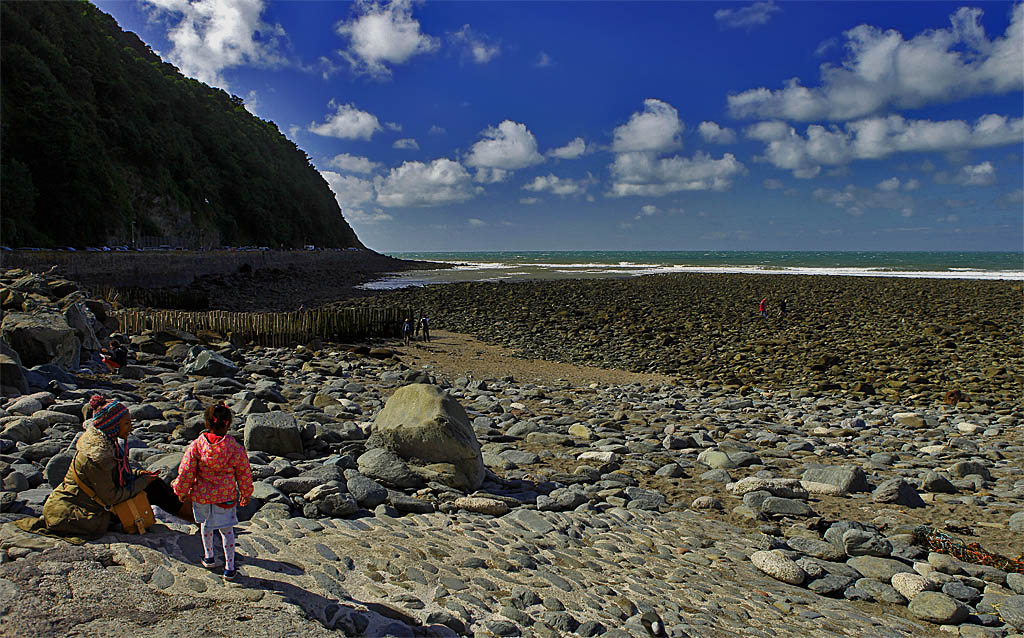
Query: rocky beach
x,y
632,458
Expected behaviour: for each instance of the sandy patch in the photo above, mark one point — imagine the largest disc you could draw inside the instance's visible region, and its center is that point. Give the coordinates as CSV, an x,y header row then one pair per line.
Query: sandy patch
x,y
456,355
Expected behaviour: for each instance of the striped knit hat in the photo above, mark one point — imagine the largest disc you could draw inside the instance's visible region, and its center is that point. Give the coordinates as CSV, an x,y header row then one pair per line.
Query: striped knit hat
x,y
107,418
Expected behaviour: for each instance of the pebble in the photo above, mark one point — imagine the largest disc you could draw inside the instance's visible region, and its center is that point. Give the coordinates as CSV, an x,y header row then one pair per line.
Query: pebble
x,y
589,485
778,566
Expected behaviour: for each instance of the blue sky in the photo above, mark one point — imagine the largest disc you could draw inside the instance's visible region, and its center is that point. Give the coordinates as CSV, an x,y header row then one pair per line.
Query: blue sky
x,y
633,126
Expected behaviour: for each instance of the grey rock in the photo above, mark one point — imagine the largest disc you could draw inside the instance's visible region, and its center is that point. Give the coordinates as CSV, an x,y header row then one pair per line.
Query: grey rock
x,y
858,542
938,608
879,591
830,584
531,520
387,467
424,422
935,482
57,468
778,506
880,569
644,499
849,478
898,492
23,430
409,504
966,468
961,592
1015,582
42,337
367,492
275,433
1016,522
727,459
817,548
207,363
1012,611
337,505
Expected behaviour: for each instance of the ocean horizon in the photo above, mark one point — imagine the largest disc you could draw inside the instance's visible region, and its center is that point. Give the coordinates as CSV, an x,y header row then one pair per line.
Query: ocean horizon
x,y
466,266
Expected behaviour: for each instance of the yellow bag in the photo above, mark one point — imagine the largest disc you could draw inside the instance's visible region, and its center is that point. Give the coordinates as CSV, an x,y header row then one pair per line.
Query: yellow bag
x,y
135,514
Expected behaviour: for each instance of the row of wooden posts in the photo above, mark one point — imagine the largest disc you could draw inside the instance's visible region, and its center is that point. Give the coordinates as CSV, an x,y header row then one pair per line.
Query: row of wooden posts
x,y
273,328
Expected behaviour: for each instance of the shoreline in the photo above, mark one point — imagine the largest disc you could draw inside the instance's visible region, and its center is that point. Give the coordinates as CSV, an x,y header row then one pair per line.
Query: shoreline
x,y
608,497
913,339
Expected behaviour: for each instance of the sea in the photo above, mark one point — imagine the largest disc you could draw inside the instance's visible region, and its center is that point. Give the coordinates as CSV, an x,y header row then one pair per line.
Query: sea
x,y
592,264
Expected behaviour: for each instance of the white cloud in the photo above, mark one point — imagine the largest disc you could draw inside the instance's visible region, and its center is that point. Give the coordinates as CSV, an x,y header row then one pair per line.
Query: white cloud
x,y
882,70
382,35
647,210
393,126
358,216
560,186
476,223
645,174
479,48
436,130
876,138
504,148
543,60
214,35
349,190
768,131
983,174
347,123
406,143
572,150
888,185
855,200
253,103
353,163
747,17
911,185
442,181
1012,198
657,129
530,200
715,134
772,184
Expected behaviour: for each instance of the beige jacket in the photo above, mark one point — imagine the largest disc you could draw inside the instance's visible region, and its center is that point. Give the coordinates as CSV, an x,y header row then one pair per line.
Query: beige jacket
x,y
68,510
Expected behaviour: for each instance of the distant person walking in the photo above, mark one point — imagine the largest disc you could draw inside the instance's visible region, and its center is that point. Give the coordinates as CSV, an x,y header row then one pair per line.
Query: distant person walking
x,y
406,331
763,308
425,326
782,308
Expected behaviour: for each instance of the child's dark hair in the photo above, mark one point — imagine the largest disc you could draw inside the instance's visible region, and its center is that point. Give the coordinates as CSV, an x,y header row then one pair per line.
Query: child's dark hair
x,y
218,418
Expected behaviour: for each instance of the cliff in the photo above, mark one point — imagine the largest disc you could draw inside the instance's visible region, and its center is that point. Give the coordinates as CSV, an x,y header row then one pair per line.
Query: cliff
x,y
103,141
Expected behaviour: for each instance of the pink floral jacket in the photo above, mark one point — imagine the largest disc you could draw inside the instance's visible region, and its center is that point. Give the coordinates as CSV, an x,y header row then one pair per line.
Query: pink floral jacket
x,y
209,472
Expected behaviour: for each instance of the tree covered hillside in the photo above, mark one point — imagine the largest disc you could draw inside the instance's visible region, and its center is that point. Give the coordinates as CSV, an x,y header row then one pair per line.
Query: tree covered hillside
x,y
97,133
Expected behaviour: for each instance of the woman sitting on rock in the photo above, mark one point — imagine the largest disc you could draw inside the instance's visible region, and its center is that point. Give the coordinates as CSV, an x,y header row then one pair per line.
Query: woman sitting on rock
x,y
102,465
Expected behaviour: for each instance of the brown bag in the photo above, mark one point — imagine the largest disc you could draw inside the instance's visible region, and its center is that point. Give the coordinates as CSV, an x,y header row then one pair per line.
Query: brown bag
x,y
135,514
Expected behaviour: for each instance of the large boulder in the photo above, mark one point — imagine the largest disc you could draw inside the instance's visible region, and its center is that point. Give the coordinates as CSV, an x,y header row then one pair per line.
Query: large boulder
x,y
424,425
85,325
42,337
274,432
11,375
210,364
849,478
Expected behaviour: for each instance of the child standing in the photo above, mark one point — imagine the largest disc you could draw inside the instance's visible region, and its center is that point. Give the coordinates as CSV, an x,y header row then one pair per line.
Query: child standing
x,y
215,474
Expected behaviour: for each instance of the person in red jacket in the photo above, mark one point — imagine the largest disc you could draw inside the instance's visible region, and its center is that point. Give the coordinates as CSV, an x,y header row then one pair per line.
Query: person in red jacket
x,y
215,474
763,308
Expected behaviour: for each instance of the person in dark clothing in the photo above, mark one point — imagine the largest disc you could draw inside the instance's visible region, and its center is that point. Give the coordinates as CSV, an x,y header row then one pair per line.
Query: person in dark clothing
x,y
406,331
782,308
425,326
115,357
